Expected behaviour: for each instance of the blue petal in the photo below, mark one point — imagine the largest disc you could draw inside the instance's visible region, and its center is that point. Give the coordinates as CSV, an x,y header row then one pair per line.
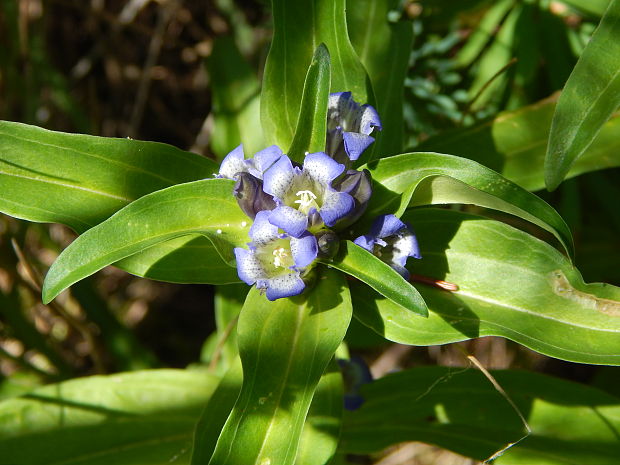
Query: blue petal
x,y
249,267
304,249
233,163
365,242
264,159
262,231
368,119
277,180
404,246
286,285
355,143
291,221
322,168
336,205
386,225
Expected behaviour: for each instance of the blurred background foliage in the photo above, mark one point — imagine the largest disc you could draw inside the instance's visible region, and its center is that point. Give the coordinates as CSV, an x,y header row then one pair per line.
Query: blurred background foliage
x,y
188,73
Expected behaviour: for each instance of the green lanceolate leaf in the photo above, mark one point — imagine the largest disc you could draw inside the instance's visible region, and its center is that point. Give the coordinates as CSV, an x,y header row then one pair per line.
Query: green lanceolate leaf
x,y
321,434
510,284
415,179
80,181
484,33
285,347
299,27
460,410
514,144
140,417
591,95
363,265
321,430
201,207
383,48
215,413
312,123
236,100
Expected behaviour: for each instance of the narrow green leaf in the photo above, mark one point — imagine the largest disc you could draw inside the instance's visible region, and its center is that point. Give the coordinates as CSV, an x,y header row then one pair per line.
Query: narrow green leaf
x,y
591,95
483,33
415,179
299,27
285,347
215,413
510,284
363,265
80,181
140,417
236,100
321,433
205,207
460,410
384,48
321,430
514,144
494,59
312,122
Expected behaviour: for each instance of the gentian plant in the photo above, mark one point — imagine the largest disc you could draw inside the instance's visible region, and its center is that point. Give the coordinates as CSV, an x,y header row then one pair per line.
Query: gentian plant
x,y
315,214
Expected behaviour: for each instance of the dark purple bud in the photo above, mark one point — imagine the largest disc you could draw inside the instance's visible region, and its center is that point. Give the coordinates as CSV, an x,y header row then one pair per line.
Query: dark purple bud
x,y
328,243
250,196
358,185
355,374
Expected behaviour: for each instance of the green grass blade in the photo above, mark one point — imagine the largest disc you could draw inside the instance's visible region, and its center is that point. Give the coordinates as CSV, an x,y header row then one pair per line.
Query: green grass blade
x,y
591,95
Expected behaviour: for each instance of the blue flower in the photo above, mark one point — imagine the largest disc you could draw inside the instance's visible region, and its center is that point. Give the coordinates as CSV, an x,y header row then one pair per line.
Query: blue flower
x,y
235,162
392,241
304,196
249,174
349,126
355,374
275,261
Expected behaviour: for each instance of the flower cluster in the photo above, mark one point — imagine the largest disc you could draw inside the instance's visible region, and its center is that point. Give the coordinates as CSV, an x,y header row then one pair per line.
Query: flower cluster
x,y
299,210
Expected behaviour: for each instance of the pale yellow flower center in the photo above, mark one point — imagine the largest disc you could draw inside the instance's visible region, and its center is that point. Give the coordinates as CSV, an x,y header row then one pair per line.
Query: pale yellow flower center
x,y
280,257
306,200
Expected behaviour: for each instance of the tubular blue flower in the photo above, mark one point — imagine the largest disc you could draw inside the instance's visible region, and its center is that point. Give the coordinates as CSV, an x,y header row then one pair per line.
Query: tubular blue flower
x,y
355,374
275,262
304,196
349,126
392,241
359,186
249,174
235,162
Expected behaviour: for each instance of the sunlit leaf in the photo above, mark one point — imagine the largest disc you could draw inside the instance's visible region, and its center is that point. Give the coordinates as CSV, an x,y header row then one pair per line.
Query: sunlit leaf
x,y
460,410
415,179
591,95
204,207
514,144
299,27
510,284
80,181
285,347
140,417
312,123
363,265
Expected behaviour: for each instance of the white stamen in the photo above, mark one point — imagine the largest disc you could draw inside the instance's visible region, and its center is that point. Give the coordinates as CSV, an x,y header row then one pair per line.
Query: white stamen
x,y
306,199
279,256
